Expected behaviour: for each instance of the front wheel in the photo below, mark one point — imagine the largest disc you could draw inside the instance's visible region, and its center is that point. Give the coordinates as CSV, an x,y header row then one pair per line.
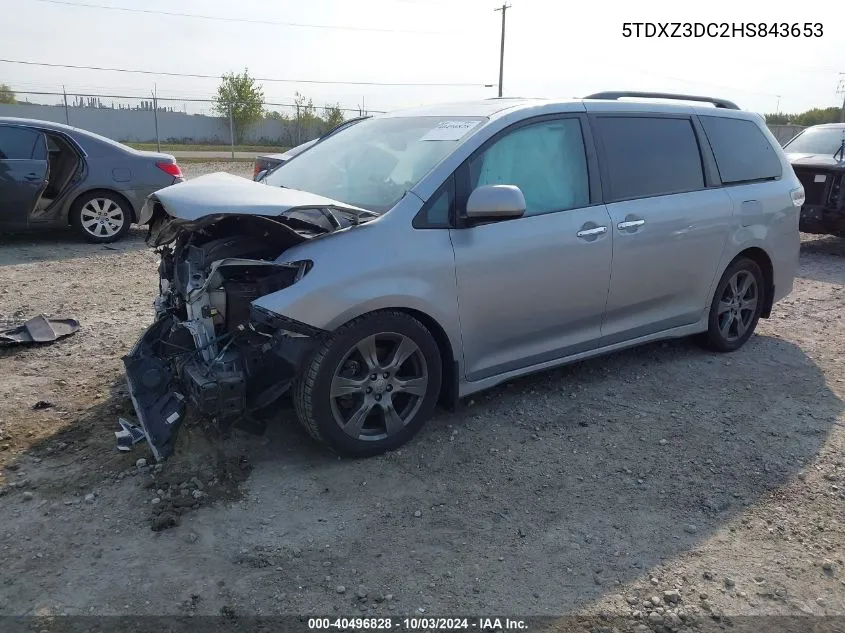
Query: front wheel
x,y
736,306
372,386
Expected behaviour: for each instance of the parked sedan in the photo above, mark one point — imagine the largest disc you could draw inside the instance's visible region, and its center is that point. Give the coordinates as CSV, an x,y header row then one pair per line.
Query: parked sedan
x,y
268,162
54,175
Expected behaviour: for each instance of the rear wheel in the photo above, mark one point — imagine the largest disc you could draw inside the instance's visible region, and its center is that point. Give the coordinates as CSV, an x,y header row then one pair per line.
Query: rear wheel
x,y
736,306
372,386
101,216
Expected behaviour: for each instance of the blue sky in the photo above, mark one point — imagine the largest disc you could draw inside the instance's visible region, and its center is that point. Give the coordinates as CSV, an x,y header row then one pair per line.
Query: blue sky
x,y
554,49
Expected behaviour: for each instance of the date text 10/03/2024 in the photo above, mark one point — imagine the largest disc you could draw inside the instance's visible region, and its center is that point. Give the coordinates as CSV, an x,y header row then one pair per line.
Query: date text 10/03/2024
x,y
418,624
722,29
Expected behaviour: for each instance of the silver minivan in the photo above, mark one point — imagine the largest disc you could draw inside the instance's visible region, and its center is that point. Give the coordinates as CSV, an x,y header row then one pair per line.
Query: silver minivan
x,y
421,256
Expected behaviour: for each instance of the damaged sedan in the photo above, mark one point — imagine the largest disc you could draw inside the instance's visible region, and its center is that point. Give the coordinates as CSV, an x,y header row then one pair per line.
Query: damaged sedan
x,y
423,256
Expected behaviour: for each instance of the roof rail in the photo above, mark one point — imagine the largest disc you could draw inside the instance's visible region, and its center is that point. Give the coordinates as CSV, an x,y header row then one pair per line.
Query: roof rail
x,y
719,103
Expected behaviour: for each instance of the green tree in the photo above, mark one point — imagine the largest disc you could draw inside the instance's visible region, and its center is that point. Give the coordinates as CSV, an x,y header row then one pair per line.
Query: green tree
x,y
245,99
308,124
815,116
6,94
778,119
332,116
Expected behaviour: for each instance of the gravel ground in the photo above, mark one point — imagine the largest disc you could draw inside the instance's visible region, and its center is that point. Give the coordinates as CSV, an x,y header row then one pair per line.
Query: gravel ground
x,y
660,484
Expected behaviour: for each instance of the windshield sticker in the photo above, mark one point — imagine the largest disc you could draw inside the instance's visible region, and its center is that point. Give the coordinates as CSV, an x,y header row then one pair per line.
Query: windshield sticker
x,y
820,178
449,130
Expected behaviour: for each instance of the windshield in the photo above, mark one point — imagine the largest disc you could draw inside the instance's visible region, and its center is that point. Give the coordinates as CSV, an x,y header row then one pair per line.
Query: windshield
x,y
822,140
375,162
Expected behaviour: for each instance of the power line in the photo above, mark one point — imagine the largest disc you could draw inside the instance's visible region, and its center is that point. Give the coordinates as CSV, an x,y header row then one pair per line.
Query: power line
x,y
219,18
269,79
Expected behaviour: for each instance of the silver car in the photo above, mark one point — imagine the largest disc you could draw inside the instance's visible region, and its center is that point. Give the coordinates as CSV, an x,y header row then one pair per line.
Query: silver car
x,y
422,256
54,175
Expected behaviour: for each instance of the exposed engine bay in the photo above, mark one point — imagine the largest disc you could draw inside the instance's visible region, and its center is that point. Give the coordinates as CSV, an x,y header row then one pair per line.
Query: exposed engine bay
x,y
824,210
823,177
209,347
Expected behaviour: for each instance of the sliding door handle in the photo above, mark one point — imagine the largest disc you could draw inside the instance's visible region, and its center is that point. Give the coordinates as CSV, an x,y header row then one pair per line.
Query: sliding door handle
x,y
598,230
629,224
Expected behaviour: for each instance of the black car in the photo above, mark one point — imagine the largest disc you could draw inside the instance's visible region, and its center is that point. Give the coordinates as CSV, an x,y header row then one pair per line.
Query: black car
x,y
817,155
267,162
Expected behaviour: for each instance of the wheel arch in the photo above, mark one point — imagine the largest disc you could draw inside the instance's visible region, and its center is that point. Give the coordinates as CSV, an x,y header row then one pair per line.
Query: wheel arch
x,y
762,259
448,397
72,207
449,385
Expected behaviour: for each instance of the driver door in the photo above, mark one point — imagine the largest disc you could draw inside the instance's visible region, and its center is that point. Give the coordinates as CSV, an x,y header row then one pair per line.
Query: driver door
x,y
23,174
533,289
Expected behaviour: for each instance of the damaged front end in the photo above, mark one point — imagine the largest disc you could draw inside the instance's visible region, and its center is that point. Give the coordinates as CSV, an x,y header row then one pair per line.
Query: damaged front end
x,y
823,179
823,212
209,348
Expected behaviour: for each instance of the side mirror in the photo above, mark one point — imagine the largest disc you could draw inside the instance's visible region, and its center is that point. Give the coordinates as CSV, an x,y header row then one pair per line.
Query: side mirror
x,y
495,202
260,175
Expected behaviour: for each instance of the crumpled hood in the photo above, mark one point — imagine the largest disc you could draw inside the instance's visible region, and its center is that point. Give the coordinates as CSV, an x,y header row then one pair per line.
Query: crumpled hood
x,y
815,160
226,194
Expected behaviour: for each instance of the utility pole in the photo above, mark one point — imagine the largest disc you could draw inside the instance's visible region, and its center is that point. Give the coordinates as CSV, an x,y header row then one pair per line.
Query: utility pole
x,y
504,9
840,89
67,116
155,116
232,129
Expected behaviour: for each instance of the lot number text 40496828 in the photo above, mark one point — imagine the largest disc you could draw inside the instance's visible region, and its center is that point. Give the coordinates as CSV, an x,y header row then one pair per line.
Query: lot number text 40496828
x,y
416,624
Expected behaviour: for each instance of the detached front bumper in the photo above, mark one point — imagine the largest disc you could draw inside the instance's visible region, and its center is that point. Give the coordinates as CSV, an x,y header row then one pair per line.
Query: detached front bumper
x,y
166,375
159,407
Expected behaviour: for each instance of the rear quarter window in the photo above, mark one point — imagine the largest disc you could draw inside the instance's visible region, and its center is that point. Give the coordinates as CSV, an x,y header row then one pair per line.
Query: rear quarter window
x,y
742,151
649,156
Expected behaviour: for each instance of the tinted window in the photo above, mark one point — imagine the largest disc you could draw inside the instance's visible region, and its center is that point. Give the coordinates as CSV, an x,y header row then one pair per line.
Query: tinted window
x,y
545,160
39,150
17,142
437,213
649,156
742,151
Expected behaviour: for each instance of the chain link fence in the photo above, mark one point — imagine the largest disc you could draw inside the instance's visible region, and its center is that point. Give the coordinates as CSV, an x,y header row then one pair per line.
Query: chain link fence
x,y
177,120
196,121
784,133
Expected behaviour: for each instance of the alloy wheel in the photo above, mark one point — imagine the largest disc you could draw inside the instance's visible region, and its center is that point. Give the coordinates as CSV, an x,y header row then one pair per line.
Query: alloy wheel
x,y
102,217
379,386
738,305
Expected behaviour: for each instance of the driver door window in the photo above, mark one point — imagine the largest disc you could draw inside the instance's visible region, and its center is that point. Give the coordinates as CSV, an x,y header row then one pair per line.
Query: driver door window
x,y
546,160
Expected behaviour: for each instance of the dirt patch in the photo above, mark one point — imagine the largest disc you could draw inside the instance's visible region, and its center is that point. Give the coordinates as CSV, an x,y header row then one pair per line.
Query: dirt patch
x,y
714,483
207,473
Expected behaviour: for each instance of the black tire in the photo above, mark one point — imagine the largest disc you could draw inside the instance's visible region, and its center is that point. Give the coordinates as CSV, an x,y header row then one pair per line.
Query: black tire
x,y
318,410
727,331
111,226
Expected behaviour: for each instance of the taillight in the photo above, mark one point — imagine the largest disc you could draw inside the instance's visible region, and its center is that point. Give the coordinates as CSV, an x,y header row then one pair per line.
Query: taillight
x,y
798,196
256,170
171,169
